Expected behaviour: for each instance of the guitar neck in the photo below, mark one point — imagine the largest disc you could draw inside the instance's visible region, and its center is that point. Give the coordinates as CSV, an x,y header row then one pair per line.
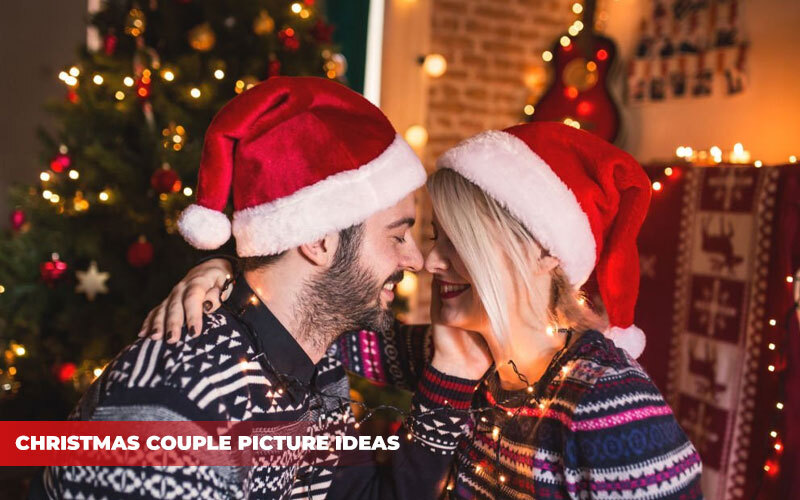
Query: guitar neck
x,y
589,12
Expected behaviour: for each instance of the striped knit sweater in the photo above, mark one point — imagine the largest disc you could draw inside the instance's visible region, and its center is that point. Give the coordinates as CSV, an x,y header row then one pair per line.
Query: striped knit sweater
x,y
599,429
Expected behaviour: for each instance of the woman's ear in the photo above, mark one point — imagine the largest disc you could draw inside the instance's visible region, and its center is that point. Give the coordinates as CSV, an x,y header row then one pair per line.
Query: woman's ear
x,y
322,251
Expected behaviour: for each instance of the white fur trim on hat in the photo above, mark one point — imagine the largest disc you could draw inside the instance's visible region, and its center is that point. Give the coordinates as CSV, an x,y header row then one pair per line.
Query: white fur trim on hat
x,y
333,204
204,228
631,339
511,173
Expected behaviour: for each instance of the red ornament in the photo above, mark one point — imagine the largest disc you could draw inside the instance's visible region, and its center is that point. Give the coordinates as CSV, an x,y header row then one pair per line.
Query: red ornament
x,y
17,219
274,68
322,32
60,163
52,270
110,44
165,180
289,39
140,254
65,371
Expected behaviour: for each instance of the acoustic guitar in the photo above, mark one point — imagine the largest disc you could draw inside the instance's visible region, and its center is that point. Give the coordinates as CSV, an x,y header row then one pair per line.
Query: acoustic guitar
x,y
578,94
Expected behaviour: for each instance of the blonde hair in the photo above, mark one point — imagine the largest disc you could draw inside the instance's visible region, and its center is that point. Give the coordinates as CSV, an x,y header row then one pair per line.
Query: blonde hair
x,y
487,237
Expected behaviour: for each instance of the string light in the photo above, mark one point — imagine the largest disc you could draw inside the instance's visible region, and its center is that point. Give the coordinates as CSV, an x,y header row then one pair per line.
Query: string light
x,y
2,289
657,186
547,56
793,159
103,196
417,136
716,153
577,8
55,198
790,279
296,8
120,95
74,71
772,322
97,372
668,171
771,368
44,176
779,406
195,92
98,79
219,74
47,194
253,299
495,433
187,191
408,436
778,446
502,478
757,164
529,109
573,30
128,81
168,75
773,434
435,65
771,346
565,41
19,350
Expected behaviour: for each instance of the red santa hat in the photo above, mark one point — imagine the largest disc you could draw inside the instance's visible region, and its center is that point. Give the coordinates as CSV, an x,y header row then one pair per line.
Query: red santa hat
x,y
583,199
305,157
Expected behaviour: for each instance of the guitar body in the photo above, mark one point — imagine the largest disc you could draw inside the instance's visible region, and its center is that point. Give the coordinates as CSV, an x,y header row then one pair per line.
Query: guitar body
x,y
579,90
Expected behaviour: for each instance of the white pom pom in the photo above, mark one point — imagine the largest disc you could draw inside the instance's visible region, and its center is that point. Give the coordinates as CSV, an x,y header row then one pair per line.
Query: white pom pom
x,y
204,228
631,339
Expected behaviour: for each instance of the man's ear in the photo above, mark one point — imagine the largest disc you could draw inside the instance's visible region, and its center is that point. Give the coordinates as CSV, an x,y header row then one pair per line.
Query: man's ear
x,y
547,263
321,252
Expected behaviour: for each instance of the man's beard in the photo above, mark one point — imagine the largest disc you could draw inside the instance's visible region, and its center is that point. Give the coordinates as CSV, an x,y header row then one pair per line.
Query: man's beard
x,y
345,298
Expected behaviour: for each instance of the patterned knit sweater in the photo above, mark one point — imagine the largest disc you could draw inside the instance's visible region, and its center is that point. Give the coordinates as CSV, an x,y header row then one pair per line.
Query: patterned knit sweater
x,y
599,429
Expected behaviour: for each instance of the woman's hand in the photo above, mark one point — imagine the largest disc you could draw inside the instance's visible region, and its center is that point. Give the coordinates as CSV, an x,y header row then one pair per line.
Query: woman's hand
x,y
198,292
457,352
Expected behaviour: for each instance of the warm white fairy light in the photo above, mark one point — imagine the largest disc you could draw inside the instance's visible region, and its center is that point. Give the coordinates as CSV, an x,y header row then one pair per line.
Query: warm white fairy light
x,y
55,198
573,30
120,95
103,196
219,74
716,153
528,109
168,75
565,41
771,368
195,92
547,56
98,79
758,164
772,322
790,279
97,372
128,81
187,191
44,176
296,8
793,159
434,65
657,186
495,433
47,194
74,71
773,434
71,81
19,350
771,346
577,8
779,405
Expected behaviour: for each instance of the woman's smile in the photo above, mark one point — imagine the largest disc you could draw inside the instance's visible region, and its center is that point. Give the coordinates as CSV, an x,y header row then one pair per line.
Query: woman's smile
x,y
449,290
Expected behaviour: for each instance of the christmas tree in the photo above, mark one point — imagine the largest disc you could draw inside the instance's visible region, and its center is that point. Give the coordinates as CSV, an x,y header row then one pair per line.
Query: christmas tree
x,y
93,246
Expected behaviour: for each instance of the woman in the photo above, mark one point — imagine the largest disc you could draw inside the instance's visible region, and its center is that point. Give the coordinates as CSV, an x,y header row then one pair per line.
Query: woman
x,y
522,217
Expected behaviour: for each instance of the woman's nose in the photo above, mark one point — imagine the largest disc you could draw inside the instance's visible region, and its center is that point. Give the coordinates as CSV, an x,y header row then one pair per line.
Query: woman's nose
x,y
435,261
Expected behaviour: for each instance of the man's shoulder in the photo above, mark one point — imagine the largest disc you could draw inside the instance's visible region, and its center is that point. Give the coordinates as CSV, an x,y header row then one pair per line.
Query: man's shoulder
x,y
149,370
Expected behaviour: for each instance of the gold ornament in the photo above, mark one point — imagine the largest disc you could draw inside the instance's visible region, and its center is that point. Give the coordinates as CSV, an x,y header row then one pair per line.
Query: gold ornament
x,y
263,23
202,37
134,23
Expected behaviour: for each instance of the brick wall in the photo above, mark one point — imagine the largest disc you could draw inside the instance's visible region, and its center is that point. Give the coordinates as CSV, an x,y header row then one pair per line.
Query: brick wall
x,y
494,64
491,47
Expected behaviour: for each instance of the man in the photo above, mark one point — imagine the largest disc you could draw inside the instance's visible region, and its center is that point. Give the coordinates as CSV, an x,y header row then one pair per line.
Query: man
x,y
323,210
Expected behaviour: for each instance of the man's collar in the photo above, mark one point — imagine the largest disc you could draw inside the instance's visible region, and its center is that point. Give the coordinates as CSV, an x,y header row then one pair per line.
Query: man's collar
x,y
281,349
